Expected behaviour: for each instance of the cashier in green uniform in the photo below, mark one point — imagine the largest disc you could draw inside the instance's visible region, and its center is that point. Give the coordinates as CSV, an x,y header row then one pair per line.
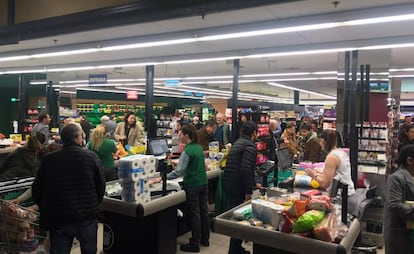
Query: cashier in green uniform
x,y
191,165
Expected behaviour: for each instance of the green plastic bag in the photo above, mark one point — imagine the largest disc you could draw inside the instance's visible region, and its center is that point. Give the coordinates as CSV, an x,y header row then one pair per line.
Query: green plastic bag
x,y
308,221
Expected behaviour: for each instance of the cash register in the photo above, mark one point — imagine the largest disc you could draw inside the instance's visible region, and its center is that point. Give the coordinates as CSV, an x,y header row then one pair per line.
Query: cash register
x,y
159,148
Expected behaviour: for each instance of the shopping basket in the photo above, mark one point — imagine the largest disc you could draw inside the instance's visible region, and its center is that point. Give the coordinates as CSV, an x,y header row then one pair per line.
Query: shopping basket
x,y
19,225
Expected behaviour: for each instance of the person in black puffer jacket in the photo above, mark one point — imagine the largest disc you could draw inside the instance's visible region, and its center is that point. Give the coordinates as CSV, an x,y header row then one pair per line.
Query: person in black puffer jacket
x,y
239,179
68,189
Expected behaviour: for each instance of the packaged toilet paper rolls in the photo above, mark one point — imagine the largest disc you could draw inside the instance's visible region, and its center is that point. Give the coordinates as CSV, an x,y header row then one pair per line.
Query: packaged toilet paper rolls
x,y
149,169
137,197
140,186
136,161
131,174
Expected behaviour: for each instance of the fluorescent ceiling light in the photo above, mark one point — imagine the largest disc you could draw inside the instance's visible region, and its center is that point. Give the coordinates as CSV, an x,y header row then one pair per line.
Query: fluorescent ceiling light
x,y
388,46
13,58
403,69
301,90
402,76
278,30
303,52
65,53
269,31
80,68
149,44
368,21
38,82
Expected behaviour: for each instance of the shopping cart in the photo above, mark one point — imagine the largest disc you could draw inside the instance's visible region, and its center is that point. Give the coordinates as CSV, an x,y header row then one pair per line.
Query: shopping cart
x,y
19,226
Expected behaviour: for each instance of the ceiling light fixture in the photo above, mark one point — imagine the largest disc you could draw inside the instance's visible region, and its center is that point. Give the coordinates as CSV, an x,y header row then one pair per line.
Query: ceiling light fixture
x,y
301,90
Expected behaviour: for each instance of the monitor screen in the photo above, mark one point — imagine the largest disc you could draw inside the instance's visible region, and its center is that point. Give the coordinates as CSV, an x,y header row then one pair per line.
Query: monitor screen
x,y
158,146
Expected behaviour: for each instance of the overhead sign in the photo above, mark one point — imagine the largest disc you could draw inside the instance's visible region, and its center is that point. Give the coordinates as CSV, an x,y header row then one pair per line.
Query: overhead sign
x,y
98,78
172,83
132,95
188,93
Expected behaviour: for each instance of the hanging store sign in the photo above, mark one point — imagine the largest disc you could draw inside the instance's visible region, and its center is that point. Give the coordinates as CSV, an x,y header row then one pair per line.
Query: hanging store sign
x,y
98,78
132,95
172,83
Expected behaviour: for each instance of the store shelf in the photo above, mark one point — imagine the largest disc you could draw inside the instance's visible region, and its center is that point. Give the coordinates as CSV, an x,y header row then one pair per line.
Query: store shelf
x,y
372,169
371,151
385,139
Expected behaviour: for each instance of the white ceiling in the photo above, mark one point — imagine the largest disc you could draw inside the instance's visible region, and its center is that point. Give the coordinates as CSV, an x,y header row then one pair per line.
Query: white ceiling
x,y
272,16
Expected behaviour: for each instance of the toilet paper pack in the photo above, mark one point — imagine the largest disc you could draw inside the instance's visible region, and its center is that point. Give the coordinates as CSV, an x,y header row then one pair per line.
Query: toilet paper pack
x,y
136,161
137,197
140,186
132,174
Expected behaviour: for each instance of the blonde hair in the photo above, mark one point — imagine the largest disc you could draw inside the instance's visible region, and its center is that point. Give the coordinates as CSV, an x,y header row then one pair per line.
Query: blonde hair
x,y
97,137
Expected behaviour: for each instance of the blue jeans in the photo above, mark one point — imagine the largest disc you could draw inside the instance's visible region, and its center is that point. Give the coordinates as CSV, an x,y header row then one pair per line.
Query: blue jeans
x,y
61,237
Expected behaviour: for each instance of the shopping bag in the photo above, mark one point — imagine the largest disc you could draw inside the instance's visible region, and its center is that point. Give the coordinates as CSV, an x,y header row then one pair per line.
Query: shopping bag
x,y
283,157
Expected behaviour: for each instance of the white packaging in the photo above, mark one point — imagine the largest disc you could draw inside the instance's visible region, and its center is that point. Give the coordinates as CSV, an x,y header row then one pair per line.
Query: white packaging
x,y
149,169
137,197
136,161
131,174
243,213
140,186
257,208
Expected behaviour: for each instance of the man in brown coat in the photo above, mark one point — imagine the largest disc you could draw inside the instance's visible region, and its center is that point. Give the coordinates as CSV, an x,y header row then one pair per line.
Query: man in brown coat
x,y
206,134
311,148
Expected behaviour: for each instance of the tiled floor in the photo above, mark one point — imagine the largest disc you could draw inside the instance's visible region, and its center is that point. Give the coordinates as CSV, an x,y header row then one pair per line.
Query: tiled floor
x,y
219,244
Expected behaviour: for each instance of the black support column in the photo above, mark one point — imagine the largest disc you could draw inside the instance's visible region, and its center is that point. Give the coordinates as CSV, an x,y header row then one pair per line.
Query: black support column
x,y
296,97
353,137
235,124
22,104
11,12
52,104
346,98
149,101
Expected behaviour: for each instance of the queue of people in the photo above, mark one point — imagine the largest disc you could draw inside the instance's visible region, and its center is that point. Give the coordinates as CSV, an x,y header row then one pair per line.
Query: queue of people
x,y
51,189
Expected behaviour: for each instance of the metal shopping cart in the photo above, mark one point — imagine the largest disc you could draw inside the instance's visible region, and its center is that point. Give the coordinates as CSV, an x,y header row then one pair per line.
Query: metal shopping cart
x,y
19,226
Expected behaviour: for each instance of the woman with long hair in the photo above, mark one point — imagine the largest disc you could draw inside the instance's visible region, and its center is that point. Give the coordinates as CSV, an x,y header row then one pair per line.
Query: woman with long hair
x,y
337,166
25,160
406,136
290,134
105,148
191,166
130,131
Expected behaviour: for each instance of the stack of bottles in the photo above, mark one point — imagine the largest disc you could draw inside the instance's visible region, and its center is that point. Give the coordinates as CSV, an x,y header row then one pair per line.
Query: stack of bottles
x,y
134,171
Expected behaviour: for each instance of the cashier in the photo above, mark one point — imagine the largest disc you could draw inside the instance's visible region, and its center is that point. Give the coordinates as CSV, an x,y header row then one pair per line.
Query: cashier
x,y
337,166
191,165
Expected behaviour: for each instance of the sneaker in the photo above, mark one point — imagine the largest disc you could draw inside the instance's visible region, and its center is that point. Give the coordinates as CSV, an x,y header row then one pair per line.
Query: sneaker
x,y
205,243
189,248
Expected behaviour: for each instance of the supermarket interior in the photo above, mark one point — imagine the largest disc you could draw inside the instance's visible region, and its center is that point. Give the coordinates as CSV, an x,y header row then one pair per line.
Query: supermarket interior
x,y
328,87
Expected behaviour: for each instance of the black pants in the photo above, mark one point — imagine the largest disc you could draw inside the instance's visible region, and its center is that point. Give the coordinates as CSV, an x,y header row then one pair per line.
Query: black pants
x,y
61,237
197,210
232,201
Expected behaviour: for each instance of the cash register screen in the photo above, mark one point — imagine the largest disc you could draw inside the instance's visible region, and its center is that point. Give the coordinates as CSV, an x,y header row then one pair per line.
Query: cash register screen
x,y
158,146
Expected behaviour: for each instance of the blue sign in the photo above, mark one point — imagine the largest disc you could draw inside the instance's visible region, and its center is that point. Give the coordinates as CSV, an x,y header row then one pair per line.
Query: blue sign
x,y
98,78
198,94
172,83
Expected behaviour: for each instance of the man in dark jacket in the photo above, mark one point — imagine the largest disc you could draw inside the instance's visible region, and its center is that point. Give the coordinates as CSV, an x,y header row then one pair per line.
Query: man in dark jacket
x,y
238,179
68,189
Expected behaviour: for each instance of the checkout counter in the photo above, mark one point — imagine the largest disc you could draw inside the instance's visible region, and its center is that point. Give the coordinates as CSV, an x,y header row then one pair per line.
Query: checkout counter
x,y
132,227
